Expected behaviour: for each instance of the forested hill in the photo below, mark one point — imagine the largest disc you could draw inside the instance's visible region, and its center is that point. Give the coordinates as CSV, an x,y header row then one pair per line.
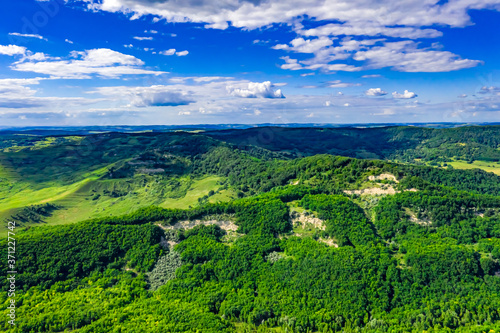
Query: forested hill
x,y
200,232
408,144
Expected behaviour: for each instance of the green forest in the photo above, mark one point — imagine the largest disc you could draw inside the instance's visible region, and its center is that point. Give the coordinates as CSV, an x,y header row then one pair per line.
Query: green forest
x,y
258,230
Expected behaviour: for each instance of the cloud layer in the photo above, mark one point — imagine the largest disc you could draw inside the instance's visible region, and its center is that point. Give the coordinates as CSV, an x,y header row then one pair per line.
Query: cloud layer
x,y
252,14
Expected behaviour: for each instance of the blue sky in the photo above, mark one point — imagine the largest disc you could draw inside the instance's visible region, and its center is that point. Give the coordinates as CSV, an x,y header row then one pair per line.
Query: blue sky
x,y
248,61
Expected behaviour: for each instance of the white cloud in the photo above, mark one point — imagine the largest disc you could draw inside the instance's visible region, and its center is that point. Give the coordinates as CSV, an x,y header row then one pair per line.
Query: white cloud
x,y
406,95
39,56
369,28
254,90
462,96
168,52
12,50
255,14
302,45
142,38
406,57
340,84
150,31
375,92
102,62
371,76
26,35
291,64
68,41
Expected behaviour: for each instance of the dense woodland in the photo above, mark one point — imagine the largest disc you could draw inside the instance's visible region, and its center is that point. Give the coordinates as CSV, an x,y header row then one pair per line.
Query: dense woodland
x,y
424,258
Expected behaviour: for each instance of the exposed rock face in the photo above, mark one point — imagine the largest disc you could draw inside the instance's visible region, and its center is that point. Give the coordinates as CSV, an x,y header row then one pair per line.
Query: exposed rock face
x,y
385,190
328,241
415,219
374,191
226,225
384,176
303,220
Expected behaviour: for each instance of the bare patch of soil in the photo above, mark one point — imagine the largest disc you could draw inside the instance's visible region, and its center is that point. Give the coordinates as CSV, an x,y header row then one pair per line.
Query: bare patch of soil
x,y
305,220
415,219
226,225
328,241
384,176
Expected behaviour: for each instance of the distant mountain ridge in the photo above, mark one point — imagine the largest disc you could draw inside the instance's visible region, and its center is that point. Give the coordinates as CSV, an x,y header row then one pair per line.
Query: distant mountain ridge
x,y
66,130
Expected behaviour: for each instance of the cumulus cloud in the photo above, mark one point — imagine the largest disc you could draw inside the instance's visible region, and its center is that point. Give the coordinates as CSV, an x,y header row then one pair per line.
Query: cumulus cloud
x,y
182,53
168,52
159,98
254,90
12,50
82,65
406,95
375,92
291,64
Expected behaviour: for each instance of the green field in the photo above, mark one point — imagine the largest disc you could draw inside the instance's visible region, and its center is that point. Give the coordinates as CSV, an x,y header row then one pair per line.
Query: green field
x,y
76,202
486,166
